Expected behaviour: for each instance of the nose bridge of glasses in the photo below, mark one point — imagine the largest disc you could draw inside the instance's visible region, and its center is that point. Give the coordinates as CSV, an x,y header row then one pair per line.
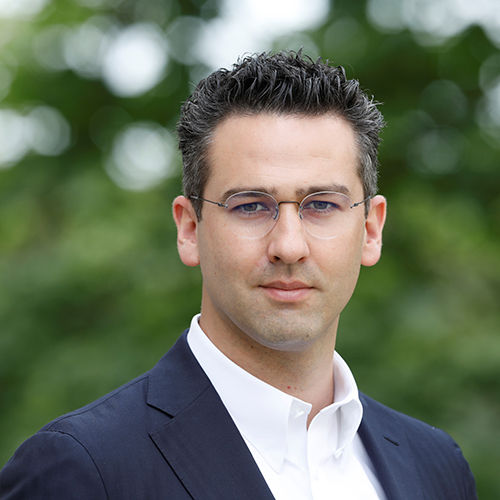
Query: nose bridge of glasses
x,y
290,202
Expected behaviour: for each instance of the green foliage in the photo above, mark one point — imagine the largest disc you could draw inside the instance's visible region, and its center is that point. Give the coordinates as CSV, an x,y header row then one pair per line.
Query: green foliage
x,y
93,291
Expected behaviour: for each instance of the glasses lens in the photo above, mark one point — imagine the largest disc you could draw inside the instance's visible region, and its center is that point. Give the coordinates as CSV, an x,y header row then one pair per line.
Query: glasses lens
x,y
325,214
251,213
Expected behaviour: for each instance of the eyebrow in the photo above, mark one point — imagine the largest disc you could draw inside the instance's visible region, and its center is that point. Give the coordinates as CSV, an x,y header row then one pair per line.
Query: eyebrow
x,y
300,193
337,188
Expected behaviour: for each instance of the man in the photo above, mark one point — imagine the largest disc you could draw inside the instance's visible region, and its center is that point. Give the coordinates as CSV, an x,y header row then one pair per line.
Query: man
x,y
279,211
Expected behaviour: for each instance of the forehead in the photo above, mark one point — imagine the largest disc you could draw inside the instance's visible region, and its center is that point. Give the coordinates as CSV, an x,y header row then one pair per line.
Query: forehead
x,y
282,154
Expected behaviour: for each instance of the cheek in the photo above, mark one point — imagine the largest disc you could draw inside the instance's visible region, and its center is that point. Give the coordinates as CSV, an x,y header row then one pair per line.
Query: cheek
x,y
211,258
341,260
224,256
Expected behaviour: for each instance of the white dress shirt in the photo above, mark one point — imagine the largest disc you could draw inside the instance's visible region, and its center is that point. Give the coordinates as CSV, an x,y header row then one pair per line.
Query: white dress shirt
x,y
325,461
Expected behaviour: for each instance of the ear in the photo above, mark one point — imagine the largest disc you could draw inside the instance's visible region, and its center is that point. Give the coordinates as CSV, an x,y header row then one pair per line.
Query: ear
x,y
374,224
187,224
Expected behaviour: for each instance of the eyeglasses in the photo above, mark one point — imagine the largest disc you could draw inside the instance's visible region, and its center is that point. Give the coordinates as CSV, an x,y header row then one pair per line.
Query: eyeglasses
x,y
252,214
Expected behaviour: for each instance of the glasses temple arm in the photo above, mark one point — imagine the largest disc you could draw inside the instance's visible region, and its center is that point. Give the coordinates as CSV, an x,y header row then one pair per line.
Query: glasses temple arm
x,y
362,201
193,197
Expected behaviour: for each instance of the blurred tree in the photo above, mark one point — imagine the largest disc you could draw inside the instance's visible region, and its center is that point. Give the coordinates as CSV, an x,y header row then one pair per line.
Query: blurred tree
x,y
93,292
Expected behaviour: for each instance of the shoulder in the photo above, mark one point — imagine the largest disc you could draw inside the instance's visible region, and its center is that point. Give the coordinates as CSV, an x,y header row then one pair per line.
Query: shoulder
x,y
65,458
132,409
395,423
118,409
105,449
435,457
51,464
374,410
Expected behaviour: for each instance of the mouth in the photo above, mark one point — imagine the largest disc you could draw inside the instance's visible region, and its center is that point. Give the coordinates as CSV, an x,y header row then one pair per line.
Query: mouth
x,y
287,291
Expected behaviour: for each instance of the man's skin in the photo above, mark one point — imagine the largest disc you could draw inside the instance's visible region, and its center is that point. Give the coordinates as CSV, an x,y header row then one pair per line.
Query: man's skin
x,y
272,304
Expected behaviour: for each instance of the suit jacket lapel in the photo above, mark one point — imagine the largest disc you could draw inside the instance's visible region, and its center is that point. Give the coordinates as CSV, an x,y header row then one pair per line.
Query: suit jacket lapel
x,y
388,449
200,441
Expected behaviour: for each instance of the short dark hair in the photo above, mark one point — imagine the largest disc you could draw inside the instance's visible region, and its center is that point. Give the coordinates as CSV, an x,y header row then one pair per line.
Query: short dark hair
x,y
284,83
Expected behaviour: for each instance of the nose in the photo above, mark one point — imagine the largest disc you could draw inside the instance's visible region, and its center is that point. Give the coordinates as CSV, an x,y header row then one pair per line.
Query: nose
x,y
288,240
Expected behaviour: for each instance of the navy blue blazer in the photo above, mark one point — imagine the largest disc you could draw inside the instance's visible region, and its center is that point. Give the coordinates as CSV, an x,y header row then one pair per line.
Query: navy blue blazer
x,y
167,435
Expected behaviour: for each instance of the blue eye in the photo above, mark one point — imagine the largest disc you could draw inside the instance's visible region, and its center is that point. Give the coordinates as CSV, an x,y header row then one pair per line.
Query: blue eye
x,y
253,208
321,207
251,205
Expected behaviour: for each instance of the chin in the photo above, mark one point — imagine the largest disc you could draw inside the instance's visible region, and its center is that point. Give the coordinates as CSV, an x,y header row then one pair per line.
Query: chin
x,y
294,339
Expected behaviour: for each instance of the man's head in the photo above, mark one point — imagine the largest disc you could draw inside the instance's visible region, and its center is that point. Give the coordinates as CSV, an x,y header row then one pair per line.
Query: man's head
x,y
283,128
286,84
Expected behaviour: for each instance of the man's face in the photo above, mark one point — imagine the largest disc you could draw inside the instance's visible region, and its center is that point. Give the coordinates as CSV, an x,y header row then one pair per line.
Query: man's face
x,y
285,290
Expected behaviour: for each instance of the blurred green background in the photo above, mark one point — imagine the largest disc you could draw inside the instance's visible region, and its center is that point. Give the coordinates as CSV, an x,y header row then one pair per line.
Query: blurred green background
x,y
92,291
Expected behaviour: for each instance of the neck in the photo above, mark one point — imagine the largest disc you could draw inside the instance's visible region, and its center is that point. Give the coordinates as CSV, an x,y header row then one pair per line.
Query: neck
x,y
306,374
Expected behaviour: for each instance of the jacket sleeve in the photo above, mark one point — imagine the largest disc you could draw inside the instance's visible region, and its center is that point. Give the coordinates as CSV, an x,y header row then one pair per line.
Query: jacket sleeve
x,y
54,465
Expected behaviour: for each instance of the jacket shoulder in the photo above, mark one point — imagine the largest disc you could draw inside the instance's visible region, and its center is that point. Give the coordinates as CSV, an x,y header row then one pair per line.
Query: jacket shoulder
x,y
376,409
437,459
66,458
107,413
51,465
105,449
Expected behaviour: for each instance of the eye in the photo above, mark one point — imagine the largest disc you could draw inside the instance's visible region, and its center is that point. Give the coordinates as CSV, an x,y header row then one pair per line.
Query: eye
x,y
251,208
320,207
323,206
251,205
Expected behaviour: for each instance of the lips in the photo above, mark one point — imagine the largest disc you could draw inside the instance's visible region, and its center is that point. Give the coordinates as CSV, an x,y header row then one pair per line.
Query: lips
x,y
284,285
287,291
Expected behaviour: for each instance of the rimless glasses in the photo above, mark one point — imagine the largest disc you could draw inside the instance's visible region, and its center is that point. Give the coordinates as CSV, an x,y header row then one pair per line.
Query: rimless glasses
x,y
253,214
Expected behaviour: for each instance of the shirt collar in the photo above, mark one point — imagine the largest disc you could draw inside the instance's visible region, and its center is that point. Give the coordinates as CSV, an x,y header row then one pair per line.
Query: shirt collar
x,y
267,417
